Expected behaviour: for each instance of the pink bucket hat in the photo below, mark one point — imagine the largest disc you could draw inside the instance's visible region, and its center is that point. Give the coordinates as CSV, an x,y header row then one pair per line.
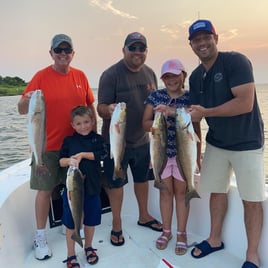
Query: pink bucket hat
x,y
173,66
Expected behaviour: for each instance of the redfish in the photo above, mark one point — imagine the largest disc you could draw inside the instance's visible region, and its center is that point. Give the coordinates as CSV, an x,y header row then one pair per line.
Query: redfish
x,y
117,138
37,130
186,141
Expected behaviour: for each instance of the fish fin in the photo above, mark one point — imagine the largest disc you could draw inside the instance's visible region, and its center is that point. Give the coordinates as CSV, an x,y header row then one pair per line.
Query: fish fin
x,y
117,128
41,170
160,185
150,165
196,138
163,165
119,173
69,194
152,130
83,176
180,168
191,136
190,195
77,238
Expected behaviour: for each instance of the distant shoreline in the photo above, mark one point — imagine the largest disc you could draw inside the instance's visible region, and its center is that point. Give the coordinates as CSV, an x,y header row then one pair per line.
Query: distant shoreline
x,y
11,90
17,90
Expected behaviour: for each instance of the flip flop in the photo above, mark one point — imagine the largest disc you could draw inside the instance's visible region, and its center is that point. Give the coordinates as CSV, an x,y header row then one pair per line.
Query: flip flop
x,y
117,234
205,249
150,224
249,264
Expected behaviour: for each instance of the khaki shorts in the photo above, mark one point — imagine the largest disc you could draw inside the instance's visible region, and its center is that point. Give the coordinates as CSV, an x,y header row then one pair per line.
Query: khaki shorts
x,y
219,165
56,176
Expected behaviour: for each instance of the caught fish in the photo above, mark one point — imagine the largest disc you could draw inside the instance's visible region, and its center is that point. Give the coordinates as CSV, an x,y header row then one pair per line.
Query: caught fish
x,y
117,138
158,144
186,140
75,192
37,130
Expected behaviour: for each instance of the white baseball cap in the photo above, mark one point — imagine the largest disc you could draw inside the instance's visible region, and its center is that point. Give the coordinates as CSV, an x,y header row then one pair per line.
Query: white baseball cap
x,y
173,66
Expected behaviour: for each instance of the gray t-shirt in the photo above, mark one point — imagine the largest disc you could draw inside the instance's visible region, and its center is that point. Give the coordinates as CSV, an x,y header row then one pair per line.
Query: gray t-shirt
x,y
119,84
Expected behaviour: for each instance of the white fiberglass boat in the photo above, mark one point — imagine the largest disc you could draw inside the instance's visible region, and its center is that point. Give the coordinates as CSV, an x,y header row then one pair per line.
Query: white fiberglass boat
x,y
17,225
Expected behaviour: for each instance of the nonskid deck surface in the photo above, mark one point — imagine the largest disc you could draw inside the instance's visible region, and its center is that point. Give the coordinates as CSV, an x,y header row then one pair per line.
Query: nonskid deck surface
x,y
17,224
139,250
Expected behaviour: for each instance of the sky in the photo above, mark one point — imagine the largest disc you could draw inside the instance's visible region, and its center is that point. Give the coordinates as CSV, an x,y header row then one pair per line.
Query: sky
x,y
98,29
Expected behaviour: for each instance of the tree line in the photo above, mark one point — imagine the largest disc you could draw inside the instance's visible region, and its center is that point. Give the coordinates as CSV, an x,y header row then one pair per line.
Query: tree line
x,y
12,81
10,86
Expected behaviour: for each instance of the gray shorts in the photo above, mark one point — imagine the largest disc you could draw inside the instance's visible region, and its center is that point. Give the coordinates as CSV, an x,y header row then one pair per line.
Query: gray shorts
x,y
138,159
219,165
56,176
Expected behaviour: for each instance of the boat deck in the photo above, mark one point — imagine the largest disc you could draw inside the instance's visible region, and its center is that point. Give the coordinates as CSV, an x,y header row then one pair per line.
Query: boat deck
x,y
139,250
17,225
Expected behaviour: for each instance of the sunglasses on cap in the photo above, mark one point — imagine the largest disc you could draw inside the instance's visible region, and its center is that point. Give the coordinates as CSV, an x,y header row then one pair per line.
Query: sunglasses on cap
x,y
67,50
137,48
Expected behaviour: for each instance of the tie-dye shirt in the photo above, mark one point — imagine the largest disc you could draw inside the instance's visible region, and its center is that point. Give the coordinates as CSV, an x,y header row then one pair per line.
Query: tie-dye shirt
x,y
160,96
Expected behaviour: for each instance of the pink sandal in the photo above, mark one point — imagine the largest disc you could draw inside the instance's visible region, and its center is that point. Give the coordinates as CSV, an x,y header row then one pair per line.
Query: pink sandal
x,y
162,241
181,247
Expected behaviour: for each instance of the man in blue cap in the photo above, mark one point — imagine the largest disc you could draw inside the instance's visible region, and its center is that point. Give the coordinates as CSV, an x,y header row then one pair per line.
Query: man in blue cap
x,y
222,91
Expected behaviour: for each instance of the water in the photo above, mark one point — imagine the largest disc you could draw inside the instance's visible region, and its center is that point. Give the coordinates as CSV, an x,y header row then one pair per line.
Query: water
x,y
13,134
14,145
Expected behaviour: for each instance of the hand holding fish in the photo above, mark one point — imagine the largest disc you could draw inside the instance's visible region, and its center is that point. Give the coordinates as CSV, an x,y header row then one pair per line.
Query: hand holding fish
x,y
197,112
111,108
166,110
28,95
73,162
24,103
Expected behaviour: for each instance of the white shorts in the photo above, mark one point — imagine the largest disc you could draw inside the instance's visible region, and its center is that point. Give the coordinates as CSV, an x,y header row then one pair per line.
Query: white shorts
x,y
219,165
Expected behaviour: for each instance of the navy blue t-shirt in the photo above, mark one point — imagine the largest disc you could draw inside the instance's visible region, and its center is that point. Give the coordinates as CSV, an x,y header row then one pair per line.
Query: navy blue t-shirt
x,y
213,88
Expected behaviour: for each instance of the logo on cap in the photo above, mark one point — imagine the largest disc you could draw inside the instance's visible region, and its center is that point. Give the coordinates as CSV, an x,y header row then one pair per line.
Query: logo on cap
x,y
135,37
201,25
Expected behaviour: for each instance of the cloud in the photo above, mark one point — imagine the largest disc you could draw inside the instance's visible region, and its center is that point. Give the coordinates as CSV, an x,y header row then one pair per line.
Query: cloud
x,y
108,6
177,30
172,30
228,35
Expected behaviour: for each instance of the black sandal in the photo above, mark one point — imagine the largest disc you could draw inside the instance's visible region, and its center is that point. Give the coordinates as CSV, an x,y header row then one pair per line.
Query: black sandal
x,y
117,234
91,255
71,264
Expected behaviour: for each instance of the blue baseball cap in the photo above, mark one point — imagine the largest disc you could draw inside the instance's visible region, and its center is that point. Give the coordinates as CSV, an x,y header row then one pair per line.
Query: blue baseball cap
x,y
201,25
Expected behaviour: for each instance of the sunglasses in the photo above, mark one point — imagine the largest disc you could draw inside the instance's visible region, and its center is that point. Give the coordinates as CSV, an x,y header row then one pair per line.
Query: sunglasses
x,y
67,50
137,48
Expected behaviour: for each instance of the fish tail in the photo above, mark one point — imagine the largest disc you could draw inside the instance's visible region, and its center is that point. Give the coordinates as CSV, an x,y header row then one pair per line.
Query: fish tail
x,y
77,238
190,195
159,184
119,173
41,170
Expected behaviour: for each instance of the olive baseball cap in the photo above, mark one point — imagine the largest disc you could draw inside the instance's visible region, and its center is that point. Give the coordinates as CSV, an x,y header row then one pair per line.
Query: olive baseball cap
x,y
60,38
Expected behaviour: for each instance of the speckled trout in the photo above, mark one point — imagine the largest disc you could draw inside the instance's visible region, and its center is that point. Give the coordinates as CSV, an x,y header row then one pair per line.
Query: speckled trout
x,y
117,138
37,130
158,144
186,140
75,192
